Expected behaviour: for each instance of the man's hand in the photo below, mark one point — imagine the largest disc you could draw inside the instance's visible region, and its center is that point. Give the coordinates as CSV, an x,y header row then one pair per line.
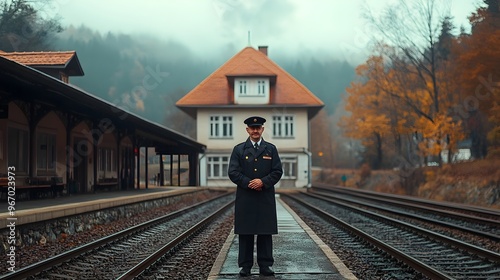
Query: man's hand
x,y
256,184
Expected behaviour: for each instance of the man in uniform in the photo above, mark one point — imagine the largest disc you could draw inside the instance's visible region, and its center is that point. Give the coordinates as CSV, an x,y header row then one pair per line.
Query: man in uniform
x,y
255,167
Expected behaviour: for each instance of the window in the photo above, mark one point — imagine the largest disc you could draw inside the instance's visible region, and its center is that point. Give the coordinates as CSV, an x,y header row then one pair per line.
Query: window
x,y
221,126
217,167
106,161
261,87
251,87
18,149
289,168
283,126
46,153
243,87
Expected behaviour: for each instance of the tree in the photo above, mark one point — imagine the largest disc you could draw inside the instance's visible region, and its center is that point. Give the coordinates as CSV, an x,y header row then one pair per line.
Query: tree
x,y
322,142
414,32
420,38
22,28
388,102
479,76
368,121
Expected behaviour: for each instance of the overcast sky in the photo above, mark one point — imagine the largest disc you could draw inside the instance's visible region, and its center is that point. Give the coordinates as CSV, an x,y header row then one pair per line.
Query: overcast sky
x,y
330,27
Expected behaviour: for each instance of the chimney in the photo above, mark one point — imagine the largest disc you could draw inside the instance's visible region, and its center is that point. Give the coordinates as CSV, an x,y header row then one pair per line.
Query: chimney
x,y
263,49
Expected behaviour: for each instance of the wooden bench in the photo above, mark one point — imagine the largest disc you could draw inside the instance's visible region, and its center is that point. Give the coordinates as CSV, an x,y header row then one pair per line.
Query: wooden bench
x,y
4,183
34,188
57,186
37,187
24,191
106,184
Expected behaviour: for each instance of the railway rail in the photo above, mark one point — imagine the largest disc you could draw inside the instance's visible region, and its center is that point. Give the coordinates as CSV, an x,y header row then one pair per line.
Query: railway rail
x,y
111,256
376,236
428,253
448,207
193,259
477,221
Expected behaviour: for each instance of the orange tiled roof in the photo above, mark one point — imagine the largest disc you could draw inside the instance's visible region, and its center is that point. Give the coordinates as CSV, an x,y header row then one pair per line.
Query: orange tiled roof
x,y
214,90
40,58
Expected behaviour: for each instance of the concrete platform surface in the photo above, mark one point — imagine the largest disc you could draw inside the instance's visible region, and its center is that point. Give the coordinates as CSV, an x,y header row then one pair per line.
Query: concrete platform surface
x,y
298,254
45,209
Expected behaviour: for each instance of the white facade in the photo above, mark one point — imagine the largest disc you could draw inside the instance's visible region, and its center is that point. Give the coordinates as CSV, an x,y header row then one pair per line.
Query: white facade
x,y
251,84
221,129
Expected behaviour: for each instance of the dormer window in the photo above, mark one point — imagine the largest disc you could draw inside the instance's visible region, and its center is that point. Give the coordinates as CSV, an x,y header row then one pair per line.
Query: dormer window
x,y
251,90
252,87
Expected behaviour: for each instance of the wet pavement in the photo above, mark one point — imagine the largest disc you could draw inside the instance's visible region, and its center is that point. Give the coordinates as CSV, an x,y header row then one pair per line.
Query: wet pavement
x,y
298,254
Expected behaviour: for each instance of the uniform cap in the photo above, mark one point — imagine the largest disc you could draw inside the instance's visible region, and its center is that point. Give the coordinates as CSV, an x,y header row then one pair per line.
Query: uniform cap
x,y
255,121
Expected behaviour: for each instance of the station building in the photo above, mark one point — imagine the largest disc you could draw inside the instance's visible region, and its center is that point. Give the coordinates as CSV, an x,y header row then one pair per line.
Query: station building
x,y
56,135
249,84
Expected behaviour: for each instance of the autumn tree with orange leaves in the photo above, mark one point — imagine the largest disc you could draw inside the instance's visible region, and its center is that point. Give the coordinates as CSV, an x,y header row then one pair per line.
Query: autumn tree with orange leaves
x,y
406,89
370,113
442,88
477,58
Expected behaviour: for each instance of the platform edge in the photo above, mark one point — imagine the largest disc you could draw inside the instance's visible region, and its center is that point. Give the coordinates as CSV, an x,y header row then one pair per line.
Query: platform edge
x,y
334,259
221,258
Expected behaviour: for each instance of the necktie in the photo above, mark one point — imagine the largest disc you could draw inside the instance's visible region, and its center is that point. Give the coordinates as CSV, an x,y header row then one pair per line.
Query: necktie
x,y
256,146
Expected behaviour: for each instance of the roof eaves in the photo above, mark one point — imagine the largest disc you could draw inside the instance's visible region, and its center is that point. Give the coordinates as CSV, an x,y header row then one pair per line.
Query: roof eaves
x,y
80,95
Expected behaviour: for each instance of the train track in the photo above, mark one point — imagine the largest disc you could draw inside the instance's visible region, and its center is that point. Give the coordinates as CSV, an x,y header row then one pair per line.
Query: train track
x,y
447,207
115,255
191,258
160,258
400,245
477,221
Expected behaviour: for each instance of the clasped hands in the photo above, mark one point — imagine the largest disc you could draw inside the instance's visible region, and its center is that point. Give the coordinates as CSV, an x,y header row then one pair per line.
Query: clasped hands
x,y
256,184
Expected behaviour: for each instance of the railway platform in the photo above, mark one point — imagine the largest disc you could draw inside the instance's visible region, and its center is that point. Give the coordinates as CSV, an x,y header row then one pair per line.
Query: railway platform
x,y
31,211
298,254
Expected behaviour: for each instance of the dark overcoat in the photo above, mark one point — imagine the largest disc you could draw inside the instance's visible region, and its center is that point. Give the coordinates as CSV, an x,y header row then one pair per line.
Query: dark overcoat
x,y
255,211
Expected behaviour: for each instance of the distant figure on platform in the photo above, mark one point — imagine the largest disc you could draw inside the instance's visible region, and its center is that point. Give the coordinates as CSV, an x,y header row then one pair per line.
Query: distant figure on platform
x,y
255,167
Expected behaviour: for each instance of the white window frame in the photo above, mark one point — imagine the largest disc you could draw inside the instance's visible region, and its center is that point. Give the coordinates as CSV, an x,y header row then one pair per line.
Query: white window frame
x,y
106,160
219,165
261,87
252,87
289,165
46,154
221,126
242,85
283,126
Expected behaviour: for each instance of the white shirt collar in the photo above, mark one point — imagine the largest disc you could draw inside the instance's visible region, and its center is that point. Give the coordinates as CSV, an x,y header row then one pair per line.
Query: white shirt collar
x,y
253,143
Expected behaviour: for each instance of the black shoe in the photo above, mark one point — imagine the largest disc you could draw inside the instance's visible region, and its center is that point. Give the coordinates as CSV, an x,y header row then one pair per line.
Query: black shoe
x,y
245,271
266,271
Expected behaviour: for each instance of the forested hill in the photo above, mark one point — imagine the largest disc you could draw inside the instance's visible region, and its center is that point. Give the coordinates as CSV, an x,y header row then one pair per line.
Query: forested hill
x,y
147,76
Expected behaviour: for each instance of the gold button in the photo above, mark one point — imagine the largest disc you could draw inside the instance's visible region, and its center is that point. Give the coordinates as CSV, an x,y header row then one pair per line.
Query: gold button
x,y
255,159
255,170
246,157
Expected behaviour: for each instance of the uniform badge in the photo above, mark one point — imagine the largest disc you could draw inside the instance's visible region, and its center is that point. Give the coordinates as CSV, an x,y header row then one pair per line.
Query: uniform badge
x,y
266,157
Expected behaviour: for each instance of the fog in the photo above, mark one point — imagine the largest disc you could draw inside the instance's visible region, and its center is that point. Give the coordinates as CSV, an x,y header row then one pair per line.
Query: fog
x,y
115,66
